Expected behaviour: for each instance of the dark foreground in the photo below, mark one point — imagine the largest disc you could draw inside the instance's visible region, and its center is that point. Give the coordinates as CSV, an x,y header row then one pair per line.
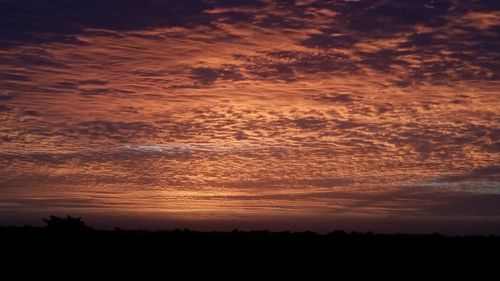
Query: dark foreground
x,y
68,241
72,234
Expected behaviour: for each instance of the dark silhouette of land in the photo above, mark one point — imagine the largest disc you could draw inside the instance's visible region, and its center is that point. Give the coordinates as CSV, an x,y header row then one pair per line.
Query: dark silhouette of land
x,y
72,235
69,247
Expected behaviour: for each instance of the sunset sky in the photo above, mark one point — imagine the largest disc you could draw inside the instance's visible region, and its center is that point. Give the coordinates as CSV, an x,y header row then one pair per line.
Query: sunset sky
x,y
282,115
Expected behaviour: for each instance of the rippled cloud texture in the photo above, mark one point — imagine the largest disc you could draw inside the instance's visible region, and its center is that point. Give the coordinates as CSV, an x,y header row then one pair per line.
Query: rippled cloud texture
x,y
367,115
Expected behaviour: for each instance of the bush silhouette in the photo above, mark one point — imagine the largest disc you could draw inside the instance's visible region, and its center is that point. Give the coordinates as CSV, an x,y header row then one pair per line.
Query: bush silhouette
x,y
65,224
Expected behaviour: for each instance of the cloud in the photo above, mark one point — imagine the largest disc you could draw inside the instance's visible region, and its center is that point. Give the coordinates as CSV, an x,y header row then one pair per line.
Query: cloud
x,y
18,24
319,107
329,41
13,77
479,174
98,129
7,96
48,203
31,113
310,123
207,76
390,17
412,201
4,108
336,98
240,135
482,20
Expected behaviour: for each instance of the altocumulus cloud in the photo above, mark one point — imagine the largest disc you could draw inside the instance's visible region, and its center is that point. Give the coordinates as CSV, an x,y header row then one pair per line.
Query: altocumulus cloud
x,y
320,107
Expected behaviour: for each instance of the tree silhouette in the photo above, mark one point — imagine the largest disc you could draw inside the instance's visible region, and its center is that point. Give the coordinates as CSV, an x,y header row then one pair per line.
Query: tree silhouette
x,y
65,224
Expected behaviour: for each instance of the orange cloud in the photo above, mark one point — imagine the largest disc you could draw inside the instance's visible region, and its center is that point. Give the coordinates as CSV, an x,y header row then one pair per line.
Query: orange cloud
x,y
325,109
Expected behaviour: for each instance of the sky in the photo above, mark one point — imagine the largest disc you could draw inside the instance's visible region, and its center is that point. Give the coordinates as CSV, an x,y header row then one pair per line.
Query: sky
x,y
284,115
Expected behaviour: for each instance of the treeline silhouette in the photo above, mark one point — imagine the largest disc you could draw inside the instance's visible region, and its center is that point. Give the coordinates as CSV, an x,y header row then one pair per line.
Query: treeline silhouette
x,y
70,236
67,247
